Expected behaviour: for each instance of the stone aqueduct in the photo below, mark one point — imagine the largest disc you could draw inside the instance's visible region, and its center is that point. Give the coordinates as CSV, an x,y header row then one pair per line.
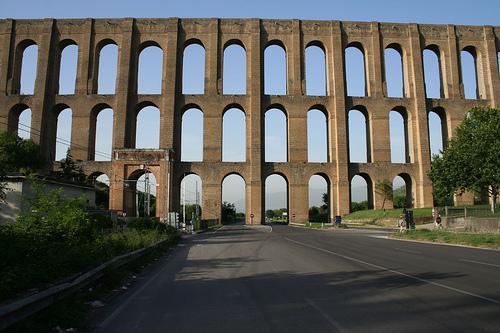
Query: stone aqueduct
x,y
172,35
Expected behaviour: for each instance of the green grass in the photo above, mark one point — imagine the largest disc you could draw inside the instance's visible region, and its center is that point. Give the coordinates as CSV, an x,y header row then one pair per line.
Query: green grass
x,y
442,236
377,214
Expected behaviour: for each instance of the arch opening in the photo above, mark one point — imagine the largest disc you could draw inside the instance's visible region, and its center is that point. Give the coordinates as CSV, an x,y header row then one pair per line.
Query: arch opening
x,y
468,66
101,183
191,203
147,133
316,74
107,68
402,191
192,135
150,71
319,199
355,71
234,70
24,124
276,136
63,133
193,69
359,136
234,136
140,194
233,199
103,141
399,138
68,69
361,192
276,199
394,71
438,132
275,70
29,64
317,136
432,72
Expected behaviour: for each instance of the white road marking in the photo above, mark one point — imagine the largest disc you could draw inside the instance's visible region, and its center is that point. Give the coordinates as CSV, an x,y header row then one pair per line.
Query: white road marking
x,y
325,315
437,284
480,262
408,251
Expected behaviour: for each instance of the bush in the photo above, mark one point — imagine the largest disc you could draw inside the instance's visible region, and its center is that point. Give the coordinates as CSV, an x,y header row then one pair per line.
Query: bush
x,y
57,239
355,206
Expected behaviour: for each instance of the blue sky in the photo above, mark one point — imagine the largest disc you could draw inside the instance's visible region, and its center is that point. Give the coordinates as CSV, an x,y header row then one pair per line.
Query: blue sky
x,y
479,12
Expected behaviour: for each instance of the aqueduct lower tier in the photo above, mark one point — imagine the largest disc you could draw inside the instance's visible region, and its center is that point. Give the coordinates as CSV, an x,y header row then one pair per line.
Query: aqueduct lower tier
x,y
172,35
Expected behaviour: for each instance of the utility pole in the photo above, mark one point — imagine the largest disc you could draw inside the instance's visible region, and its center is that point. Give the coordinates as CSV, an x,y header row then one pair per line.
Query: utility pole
x,y
184,202
148,193
196,207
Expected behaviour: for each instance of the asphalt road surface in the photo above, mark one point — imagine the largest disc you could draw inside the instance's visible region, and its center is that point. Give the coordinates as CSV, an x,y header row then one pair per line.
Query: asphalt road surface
x,y
242,279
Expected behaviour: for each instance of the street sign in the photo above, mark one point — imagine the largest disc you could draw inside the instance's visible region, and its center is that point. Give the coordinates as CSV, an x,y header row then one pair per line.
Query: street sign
x,y
251,215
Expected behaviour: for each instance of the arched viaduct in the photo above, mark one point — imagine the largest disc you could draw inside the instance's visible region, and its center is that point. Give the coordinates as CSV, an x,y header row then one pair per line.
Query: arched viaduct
x,y
172,35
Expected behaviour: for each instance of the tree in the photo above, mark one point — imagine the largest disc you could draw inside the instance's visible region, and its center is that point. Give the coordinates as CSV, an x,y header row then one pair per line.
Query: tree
x,y
325,199
269,213
70,169
384,188
472,160
17,155
228,212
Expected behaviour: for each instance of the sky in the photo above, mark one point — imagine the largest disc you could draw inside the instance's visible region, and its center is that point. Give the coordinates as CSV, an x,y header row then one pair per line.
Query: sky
x,y
479,12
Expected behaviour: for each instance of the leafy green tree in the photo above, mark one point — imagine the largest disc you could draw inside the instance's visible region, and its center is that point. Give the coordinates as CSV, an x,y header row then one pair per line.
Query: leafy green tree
x,y
270,213
17,155
472,160
384,188
228,212
70,170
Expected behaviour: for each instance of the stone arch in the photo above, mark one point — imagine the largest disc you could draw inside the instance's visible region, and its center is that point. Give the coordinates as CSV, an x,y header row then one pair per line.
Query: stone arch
x,y
101,182
316,72
273,203
13,121
436,131
66,67
106,67
192,133
369,189
395,76
131,196
233,134
405,154
150,76
24,77
317,136
275,68
355,66
408,198
98,129
270,124
365,138
234,80
431,59
193,67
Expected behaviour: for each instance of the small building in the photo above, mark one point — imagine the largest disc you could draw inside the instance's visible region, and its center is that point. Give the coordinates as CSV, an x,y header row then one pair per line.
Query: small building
x,y
20,191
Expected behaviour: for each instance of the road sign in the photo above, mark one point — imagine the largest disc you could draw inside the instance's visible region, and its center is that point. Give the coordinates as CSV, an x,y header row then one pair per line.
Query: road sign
x,y
251,215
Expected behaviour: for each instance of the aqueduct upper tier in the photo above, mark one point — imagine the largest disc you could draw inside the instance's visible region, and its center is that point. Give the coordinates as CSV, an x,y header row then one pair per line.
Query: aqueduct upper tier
x,y
173,35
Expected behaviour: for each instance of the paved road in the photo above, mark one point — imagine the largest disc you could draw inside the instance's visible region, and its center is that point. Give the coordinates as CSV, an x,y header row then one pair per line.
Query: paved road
x,y
243,279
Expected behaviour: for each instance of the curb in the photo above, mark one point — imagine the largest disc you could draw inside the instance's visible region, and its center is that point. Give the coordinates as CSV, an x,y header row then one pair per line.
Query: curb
x,y
439,243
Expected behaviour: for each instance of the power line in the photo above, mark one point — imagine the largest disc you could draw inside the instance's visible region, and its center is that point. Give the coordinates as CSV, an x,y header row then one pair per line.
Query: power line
x,y
60,140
